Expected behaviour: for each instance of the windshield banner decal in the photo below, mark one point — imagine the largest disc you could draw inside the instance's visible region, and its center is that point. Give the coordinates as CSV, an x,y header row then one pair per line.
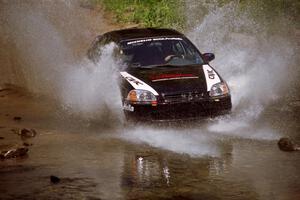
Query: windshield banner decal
x,y
153,39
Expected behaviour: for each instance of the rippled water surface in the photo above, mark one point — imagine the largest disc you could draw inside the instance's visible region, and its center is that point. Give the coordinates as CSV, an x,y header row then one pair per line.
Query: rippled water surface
x,y
193,161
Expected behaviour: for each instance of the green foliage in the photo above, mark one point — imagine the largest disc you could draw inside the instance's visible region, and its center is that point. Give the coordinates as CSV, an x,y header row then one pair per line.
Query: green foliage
x,y
270,14
147,13
273,7
172,13
270,9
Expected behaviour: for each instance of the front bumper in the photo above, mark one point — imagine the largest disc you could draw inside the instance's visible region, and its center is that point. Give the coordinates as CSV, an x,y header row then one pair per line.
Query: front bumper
x,y
179,110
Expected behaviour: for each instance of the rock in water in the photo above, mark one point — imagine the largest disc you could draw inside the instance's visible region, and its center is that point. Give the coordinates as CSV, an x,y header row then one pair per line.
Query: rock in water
x,y
286,144
26,133
54,179
17,118
13,153
27,144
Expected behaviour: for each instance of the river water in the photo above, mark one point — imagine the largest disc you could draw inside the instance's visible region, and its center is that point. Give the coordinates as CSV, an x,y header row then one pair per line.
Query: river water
x,y
74,105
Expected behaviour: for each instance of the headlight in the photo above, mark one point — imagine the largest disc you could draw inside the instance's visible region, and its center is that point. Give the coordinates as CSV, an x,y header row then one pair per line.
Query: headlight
x,y
141,97
219,89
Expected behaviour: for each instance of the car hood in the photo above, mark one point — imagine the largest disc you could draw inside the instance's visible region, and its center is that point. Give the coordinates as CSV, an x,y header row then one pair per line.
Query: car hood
x,y
173,80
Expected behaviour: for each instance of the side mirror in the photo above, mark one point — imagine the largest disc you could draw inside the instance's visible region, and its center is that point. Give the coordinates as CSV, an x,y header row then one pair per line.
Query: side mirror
x,y
208,56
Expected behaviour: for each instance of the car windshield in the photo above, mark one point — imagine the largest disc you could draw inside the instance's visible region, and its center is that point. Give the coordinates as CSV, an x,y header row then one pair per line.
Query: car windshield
x,y
155,52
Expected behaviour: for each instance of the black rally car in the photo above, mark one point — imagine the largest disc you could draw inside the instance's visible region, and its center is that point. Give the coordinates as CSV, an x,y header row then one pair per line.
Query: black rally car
x,y
164,76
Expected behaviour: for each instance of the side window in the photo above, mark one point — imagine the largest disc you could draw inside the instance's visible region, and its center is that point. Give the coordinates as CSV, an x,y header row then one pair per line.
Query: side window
x,y
189,51
179,49
95,51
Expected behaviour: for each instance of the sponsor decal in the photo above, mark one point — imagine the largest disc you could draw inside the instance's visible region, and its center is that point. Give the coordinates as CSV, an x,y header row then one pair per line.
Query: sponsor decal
x,y
128,107
211,76
166,77
153,39
137,83
133,80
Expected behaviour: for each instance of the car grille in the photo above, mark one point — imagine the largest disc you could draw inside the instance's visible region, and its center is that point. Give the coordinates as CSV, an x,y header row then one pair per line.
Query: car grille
x,y
183,97
180,110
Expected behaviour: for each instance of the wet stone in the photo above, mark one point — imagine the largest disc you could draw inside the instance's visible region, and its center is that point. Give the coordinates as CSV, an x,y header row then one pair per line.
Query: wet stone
x,y
54,179
13,153
15,131
17,118
286,144
3,89
27,133
27,144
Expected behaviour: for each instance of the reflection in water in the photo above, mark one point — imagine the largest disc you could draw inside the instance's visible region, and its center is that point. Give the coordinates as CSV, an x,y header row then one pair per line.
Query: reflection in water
x,y
167,174
147,170
102,167
218,166
157,175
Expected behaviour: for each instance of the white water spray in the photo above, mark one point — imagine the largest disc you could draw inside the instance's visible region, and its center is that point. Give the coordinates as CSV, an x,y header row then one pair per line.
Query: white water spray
x,y
257,66
92,90
45,60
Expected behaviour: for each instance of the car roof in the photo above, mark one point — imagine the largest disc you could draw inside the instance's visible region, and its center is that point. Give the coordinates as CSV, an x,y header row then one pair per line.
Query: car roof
x,y
138,33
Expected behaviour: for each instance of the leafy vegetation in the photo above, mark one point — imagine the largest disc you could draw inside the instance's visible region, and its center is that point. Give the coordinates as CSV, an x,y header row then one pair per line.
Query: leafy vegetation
x,y
147,13
172,13
269,10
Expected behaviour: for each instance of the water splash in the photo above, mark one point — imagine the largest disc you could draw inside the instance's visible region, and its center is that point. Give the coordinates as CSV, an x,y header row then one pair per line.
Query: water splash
x,y
92,89
42,52
258,66
192,142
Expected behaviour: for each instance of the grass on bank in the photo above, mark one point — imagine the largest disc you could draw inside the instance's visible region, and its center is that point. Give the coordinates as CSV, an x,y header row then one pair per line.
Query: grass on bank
x,y
172,13
147,13
269,10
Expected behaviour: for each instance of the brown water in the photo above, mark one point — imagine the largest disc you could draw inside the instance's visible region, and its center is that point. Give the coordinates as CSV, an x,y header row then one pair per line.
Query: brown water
x,y
81,134
167,163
